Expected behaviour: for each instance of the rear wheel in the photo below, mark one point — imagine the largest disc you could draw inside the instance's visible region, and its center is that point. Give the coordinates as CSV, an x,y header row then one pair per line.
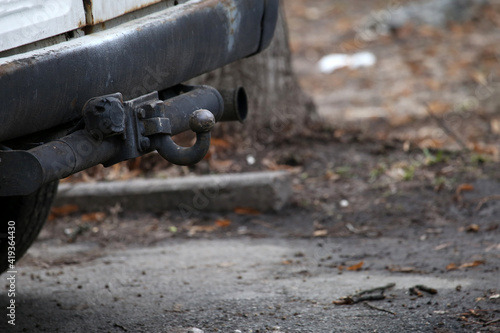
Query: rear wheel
x,y
29,214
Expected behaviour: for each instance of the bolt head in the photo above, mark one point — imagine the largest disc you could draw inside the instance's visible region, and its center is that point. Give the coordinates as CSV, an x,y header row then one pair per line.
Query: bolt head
x,y
141,113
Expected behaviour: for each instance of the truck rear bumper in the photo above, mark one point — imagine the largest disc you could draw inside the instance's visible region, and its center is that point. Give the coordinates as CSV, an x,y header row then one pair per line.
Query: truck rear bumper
x,y
48,87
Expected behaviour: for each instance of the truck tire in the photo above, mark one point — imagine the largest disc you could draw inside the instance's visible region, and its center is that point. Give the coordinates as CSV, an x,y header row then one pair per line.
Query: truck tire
x,y
29,214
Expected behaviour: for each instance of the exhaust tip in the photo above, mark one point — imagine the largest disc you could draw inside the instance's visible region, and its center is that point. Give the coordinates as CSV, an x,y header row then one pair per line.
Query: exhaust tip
x,y
235,104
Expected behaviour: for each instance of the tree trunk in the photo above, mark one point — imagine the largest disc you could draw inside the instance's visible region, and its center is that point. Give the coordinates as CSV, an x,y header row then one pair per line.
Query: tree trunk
x,y
278,108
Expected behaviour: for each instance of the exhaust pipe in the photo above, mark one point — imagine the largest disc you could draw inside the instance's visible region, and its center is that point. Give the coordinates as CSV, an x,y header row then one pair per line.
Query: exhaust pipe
x,y
235,104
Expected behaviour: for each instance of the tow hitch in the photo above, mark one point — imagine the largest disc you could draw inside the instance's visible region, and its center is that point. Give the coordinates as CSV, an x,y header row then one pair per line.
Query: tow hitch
x,y
112,131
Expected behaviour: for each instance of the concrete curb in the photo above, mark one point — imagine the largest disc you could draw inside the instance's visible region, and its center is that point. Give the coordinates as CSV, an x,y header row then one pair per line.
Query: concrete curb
x,y
262,191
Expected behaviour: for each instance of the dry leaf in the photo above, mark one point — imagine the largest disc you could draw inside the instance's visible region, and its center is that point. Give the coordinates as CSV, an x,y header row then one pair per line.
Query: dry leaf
x,y
271,165
472,228
396,121
415,66
246,211
201,228
126,175
135,164
150,228
492,247
356,267
223,223
428,31
451,267
485,149
439,107
221,165
406,146
472,264
433,84
64,210
397,269
479,77
464,187
93,217
218,142
330,175
495,126
115,172
219,223
286,262
340,302
461,188
320,233
226,264
342,24
432,143
443,246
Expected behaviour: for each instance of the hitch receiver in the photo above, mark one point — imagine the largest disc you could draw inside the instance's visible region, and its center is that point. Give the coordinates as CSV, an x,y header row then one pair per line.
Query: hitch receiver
x,y
112,131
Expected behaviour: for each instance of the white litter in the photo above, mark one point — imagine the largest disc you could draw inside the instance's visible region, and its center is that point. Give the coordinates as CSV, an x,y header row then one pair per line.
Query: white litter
x,y
195,330
251,160
330,63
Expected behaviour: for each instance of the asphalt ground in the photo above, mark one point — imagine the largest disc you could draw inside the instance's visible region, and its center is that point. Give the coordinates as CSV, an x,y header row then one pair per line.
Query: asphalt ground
x,y
251,284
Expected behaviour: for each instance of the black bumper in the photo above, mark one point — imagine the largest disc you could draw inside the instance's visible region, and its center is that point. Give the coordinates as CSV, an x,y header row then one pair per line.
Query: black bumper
x,y
48,87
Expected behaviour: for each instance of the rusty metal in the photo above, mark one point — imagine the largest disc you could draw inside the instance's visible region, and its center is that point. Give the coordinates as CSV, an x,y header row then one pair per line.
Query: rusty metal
x,y
156,126
197,108
43,91
105,117
48,87
114,131
235,104
191,98
200,122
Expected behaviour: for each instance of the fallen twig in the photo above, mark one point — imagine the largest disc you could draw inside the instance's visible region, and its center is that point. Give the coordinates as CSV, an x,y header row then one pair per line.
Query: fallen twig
x,y
121,327
381,289
361,297
352,229
426,289
492,322
379,309
445,128
368,298
485,200
348,300
416,292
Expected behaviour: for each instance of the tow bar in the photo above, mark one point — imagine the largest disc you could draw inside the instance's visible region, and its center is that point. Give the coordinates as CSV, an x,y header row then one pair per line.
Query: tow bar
x,y
112,131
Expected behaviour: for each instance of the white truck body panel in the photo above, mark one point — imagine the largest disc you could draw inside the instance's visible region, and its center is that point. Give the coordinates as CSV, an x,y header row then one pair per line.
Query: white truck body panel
x,y
104,10
26,21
